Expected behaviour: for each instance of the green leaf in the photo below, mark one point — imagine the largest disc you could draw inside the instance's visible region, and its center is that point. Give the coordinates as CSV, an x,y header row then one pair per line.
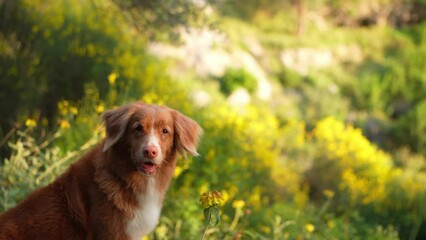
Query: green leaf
x,y
216,216
207,214
212,215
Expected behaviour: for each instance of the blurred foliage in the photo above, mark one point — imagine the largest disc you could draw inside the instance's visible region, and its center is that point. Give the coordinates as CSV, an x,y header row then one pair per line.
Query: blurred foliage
x,y
51,50
297,167
236,78
411,127
34,164
160,19
345,152
247,11
289,78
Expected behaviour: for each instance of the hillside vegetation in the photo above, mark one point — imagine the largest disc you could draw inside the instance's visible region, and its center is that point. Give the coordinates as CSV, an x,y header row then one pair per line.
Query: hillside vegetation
x,y
314,112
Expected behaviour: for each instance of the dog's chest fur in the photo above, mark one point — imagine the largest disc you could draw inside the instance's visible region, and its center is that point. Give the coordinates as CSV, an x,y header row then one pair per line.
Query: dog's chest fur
x,y
147,214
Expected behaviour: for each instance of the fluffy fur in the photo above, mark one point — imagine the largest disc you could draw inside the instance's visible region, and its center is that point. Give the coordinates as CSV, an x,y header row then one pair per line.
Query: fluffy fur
x,y
116,190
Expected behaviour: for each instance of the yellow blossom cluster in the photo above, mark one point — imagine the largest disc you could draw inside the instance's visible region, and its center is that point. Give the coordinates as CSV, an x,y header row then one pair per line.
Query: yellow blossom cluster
x,y
64,124
112,77
100,108
245,146
30,123
66,108
238,204
362,167
211,199
309,227
287,173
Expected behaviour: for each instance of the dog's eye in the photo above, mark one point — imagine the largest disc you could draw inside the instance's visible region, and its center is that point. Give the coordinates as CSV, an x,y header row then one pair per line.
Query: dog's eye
x,y
137,127
165,131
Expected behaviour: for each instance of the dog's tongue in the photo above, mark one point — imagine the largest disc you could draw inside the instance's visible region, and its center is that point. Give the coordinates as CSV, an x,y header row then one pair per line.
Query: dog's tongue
x,y
148,168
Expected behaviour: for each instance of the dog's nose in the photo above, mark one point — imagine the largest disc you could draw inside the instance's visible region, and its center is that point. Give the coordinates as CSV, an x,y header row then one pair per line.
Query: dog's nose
x,y
150,152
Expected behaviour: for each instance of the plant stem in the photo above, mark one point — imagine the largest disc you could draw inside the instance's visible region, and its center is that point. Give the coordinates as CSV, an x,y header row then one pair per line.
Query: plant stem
x,y
236,218
205,231
8,135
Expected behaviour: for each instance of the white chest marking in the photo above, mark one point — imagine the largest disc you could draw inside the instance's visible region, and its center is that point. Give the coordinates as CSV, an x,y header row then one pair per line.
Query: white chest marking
x,y
146,216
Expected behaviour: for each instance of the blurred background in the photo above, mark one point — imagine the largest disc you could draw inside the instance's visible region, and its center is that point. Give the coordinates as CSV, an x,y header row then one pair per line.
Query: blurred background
x,y
314,112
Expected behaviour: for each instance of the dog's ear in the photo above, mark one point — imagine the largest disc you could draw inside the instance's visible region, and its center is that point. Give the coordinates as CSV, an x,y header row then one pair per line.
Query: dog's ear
x,y
187,133
116,123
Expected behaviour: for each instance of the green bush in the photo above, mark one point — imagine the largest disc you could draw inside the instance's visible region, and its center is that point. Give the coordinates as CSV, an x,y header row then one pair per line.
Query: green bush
x,y
289,78
50,51
410,128
365,178
34,164
235,78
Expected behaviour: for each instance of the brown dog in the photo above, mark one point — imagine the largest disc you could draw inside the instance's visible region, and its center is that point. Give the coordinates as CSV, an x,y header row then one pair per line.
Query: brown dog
x,y
116,190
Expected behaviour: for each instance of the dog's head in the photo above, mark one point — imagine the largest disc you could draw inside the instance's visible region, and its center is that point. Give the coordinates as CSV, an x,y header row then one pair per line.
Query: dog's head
x,y
150,134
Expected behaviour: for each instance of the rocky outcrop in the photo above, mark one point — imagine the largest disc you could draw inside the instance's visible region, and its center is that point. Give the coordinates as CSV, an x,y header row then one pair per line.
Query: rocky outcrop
x,y
302,60
208,53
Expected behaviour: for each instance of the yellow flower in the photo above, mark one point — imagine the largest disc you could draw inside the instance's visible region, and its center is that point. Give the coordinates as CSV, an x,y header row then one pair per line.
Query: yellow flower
x,y
63,107
328,193
100,108
225,195
30,123
265,229
204,188
112,77
309,227
161,231
74,110
331,224
238,204
211,199
64,124
178,171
